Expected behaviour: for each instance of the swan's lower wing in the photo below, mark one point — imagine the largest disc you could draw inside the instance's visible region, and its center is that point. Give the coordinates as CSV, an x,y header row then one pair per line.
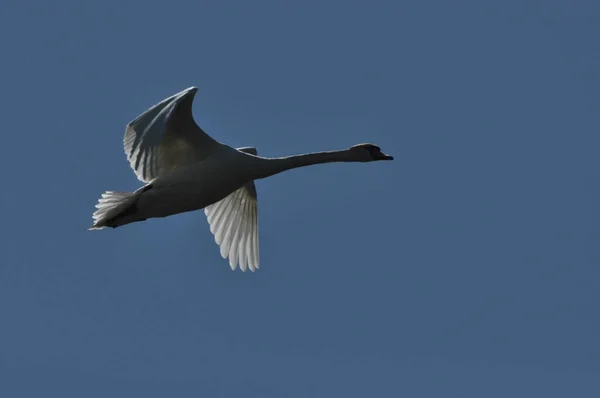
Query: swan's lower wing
x,y
165,137
234,223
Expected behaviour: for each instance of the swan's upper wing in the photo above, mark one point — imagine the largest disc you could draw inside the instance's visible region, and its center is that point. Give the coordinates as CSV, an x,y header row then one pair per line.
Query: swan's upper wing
x,y
234,223
166,137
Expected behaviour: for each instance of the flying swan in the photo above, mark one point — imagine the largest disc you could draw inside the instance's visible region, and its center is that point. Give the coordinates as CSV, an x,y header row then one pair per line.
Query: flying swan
x,y
184,169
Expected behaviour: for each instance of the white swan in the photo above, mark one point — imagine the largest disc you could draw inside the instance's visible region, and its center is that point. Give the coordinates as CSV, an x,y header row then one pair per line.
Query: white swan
x,y
185,169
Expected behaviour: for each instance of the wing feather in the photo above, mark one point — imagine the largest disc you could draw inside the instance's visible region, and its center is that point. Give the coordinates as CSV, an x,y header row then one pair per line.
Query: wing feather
x,y
166,137
234,223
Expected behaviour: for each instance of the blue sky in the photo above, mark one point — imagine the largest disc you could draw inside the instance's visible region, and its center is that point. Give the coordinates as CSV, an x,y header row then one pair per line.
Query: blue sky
x,y
468,267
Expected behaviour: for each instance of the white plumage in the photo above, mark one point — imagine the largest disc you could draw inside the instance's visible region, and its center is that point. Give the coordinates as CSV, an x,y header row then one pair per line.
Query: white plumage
x,y
184,169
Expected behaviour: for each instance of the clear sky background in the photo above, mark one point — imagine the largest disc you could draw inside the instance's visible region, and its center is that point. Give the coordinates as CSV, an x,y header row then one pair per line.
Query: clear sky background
x,y
468,267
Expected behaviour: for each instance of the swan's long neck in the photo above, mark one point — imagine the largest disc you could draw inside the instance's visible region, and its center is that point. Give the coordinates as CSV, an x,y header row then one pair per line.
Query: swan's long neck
x,y
272,166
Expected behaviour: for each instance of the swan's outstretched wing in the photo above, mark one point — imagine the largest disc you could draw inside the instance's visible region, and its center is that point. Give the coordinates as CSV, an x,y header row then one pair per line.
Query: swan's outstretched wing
x,y
166,137
234,223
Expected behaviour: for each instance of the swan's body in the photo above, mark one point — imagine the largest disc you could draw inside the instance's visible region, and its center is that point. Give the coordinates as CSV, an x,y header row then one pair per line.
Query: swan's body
x,y
196,186
185,169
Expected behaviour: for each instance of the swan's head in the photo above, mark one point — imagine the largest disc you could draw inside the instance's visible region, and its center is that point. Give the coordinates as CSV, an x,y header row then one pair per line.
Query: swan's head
x,y
368,153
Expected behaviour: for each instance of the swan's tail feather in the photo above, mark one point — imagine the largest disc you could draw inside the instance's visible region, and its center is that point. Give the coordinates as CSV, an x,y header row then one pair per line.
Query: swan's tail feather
x,y
113,209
